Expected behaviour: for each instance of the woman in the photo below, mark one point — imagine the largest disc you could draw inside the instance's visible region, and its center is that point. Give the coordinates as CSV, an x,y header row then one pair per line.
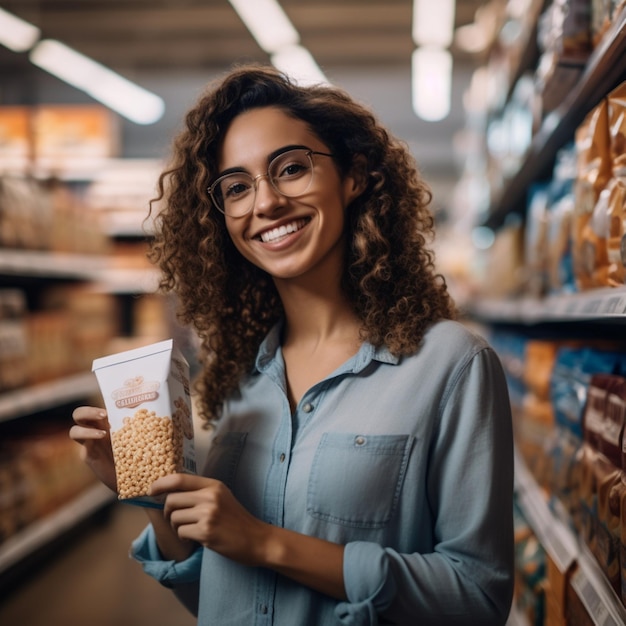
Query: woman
x,y
361,468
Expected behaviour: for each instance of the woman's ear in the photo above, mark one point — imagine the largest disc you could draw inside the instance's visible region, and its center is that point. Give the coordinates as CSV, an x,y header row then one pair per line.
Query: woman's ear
x,y
356,180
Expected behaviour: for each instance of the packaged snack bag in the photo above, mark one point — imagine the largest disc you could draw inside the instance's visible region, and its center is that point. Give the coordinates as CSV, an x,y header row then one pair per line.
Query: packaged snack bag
x,y
616,239
146,394
608,470
593,173
616,235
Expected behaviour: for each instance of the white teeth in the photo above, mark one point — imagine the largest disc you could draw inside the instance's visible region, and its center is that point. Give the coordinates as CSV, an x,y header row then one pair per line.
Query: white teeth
x,y
270,236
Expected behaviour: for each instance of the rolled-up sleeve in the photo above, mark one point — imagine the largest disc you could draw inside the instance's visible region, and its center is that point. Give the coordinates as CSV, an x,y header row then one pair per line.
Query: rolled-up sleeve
x,y
467,577
144,549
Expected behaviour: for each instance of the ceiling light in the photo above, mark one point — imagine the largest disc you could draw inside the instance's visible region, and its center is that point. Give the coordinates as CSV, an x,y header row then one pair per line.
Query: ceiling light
x,y
298,63
431,83
433,22
16,34
268,23
118,93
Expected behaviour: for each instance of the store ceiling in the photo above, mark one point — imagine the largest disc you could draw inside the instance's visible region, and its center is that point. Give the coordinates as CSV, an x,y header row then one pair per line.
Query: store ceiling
x,y
172,46
192,34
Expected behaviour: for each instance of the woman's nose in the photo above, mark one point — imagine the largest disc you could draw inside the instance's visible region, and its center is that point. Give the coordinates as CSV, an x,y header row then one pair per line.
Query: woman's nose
x,y
266,197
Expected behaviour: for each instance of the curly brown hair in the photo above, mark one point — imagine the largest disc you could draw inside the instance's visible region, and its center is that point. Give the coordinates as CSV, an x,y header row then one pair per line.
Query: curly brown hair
x,y
389,273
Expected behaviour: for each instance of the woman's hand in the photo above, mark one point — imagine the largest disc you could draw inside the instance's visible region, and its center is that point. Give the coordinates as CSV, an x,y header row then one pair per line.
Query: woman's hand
x,y
205,511
91,430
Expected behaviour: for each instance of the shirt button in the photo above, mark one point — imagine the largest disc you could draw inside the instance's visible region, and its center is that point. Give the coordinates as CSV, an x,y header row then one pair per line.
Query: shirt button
x,y
282,457
360,441
263,609
307,408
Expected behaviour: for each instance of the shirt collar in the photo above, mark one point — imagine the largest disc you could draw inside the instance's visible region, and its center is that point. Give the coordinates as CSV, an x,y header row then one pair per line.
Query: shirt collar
x,y
366,354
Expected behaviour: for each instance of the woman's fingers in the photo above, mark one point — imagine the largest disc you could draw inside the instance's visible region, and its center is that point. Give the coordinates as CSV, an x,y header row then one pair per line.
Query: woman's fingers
x,y
83,433
90,423
179,482
91,431
89,415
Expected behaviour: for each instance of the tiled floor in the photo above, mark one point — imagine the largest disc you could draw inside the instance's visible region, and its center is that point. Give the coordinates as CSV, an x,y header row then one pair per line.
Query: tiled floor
x,y
91,581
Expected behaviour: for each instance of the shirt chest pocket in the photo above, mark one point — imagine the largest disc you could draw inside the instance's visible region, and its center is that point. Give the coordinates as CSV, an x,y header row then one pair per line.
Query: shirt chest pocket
x,y
356,479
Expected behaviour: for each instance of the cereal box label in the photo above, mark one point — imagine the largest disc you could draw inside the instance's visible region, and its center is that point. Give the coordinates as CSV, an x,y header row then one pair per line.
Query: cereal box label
x,y
135,392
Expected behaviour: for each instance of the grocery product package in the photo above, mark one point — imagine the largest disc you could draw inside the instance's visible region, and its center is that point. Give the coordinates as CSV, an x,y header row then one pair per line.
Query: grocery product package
x,y
593,146
616,236
146,394
609,484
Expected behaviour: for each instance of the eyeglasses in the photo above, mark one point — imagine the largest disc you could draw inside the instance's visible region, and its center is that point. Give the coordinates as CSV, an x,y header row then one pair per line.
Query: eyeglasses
x,y
290,174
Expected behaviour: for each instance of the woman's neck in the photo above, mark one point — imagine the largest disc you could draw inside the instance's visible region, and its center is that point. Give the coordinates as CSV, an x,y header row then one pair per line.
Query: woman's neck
x,y
316,313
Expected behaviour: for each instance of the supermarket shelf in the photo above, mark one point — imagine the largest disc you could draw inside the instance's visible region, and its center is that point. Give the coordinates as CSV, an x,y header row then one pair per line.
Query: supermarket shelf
x,y
607,304
38,264
94,268
604,71
565,549
42,532
126,281
23,402
130,223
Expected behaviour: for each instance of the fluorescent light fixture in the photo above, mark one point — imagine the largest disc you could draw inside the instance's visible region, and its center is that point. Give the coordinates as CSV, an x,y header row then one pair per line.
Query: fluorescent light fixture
x,y
118,93
431,83
16,34
433,22
268,23
298,63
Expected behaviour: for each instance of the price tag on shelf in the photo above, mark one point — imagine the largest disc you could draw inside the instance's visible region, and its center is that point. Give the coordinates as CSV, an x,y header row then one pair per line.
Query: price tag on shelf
x,y
591,600
553,534
591,586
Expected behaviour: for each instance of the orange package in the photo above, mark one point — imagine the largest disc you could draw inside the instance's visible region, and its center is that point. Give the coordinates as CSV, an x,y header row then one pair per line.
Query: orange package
x,y
616,235
593,148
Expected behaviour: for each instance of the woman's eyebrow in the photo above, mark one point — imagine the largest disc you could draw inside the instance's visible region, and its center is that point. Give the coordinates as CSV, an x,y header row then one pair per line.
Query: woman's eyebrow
x,y
284,149
271,156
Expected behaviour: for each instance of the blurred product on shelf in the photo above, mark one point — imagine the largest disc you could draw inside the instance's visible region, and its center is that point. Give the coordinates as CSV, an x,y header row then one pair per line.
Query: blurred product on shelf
x,y
15,139
601,253
92,320
39,471
538,424
152,317
564,39
603,13
72,139
504,268
48,215
53,140
13,339
593,173
26,214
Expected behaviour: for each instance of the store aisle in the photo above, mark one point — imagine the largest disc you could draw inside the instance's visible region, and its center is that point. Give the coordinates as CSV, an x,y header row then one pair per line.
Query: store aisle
x,y
92,581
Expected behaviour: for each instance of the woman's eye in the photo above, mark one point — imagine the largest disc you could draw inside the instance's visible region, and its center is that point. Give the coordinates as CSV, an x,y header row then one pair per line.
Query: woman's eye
x,y
292,169
236,189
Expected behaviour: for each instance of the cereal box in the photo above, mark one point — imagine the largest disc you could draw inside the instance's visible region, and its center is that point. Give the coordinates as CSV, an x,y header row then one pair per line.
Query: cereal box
x,y
146,394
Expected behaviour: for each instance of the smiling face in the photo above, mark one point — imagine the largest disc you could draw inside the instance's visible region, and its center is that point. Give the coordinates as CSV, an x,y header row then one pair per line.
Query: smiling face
x,y
285,236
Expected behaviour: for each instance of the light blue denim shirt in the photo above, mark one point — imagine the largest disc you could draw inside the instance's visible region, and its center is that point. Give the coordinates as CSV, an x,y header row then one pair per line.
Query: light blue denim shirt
x,y
408,462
